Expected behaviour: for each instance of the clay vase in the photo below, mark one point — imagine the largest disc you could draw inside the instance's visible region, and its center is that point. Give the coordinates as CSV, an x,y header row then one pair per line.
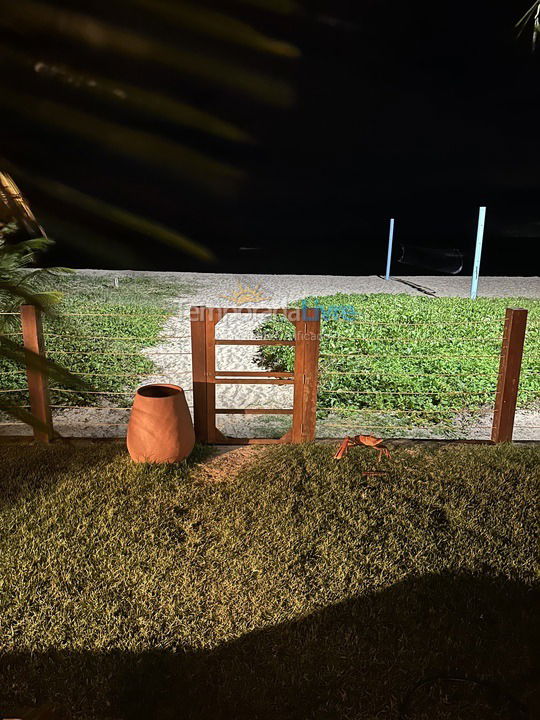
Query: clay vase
x,y
160,429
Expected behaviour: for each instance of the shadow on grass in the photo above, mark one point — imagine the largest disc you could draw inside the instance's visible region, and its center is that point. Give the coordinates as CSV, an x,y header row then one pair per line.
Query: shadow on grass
x,y
355,659
67,459
21,481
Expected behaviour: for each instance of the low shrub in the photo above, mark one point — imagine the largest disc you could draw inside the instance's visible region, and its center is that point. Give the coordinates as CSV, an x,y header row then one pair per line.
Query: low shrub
x,y
433,356
99,331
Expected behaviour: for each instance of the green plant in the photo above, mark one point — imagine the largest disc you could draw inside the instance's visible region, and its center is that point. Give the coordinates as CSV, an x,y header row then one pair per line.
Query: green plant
x,y
433,357
21,282
100,334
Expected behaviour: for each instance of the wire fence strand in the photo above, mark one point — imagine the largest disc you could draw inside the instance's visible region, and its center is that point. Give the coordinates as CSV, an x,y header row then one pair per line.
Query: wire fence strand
x,y
407,427
412,356
117,314
400,392
119,337
408,344
103,392
430,341
427,427
427,323
92,407
392,373
112,352
406,411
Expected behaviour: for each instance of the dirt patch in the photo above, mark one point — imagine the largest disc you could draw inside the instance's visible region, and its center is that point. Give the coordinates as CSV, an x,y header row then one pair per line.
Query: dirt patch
x,y
226,464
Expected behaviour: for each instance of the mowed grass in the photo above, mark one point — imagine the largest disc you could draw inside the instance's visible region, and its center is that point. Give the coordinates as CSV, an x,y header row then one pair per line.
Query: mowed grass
x,y
409,359
97,332
301,588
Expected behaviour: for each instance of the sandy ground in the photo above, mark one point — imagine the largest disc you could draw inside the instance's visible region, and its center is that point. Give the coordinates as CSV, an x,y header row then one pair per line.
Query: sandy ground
x,y
220,290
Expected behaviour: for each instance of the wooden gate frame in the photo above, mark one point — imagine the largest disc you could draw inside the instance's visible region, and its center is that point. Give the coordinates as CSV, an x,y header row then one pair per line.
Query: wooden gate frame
x,y
307,323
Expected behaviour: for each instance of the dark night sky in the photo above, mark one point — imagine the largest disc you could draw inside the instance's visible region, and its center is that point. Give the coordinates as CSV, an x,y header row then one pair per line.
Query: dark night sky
x,y
421,111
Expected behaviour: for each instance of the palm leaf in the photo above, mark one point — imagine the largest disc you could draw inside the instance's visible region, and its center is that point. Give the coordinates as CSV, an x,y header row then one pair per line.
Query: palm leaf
x,y
531,16
26,358
217,25
126,95
60,91
39,17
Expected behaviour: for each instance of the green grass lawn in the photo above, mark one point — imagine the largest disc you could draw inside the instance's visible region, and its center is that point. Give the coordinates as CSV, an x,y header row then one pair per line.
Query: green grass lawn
x,y
99,331
416,360
299,588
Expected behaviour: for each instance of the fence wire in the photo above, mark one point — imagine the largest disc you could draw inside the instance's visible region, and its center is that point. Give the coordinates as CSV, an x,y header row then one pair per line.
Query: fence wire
x,y
402,380
112,364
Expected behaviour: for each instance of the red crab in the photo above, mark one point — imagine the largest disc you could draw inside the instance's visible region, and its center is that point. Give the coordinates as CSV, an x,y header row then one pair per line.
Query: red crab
x,y
369,440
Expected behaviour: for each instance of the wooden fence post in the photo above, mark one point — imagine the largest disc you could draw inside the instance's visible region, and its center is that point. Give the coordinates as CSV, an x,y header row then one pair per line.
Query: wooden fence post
x,y
36,371
311,373
211,318
306,370
515,324
198,364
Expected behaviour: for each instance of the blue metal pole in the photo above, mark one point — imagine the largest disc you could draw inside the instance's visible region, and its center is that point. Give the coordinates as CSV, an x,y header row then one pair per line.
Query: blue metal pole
x,y
389,256
478,252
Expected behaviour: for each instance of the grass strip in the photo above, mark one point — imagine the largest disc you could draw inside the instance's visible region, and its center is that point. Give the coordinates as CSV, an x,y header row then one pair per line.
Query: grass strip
x,y
298,588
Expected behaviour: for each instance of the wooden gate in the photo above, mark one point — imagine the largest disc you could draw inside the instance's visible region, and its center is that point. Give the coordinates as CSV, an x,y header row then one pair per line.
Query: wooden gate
x,y
306,322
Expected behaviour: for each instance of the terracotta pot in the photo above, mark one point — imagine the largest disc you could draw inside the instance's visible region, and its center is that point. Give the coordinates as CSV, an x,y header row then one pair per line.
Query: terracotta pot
x,y
160,429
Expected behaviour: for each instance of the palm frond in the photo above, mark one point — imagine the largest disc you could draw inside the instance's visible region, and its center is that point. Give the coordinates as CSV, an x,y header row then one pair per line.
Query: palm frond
x,y
26,358
158,105
199,168
19,283
39,17
282,7
114,214
531,16
218,25
527,17
126,95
